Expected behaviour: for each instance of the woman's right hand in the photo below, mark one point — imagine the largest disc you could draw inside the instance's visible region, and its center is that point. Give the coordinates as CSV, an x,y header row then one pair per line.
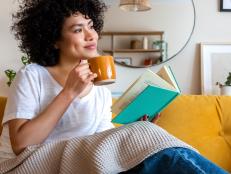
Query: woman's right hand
x,y
79,80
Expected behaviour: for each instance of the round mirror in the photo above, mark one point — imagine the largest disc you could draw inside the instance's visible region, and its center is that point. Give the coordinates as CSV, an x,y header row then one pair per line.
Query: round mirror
x,y
142,39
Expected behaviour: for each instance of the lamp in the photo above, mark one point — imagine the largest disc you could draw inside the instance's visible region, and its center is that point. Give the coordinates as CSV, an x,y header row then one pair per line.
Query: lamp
x,y
135,5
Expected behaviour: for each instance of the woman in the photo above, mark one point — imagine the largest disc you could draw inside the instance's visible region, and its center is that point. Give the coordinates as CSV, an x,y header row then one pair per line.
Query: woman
x,y
54,97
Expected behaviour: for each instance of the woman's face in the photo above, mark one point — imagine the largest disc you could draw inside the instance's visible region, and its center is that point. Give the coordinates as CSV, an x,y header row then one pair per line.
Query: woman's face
x,y
78,38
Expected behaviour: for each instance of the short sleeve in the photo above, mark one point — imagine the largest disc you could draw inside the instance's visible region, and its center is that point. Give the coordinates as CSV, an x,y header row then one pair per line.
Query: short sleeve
x,y
23,99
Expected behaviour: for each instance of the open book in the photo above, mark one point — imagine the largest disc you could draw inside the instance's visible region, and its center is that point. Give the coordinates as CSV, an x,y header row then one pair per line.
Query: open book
x,y
149,94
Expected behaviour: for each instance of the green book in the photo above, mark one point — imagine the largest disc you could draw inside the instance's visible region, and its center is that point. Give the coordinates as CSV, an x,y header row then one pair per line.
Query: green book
x,y
149,94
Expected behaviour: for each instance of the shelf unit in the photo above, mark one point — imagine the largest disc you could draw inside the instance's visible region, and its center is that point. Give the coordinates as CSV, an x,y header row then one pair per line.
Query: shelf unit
x,y
126,50
131,50
117,45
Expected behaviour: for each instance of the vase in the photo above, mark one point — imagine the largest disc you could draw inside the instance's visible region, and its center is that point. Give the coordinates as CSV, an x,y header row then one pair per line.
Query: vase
x,y
225,90
145,43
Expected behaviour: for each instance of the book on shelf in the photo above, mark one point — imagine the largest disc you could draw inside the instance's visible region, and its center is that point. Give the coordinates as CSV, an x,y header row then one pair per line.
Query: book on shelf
x,y
148,95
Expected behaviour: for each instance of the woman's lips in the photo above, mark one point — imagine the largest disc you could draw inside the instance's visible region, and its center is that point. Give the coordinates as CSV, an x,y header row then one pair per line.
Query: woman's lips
x,y
91,47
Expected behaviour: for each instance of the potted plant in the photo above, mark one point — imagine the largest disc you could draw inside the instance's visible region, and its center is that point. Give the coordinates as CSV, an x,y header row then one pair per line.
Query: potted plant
x,y
225,88
10,73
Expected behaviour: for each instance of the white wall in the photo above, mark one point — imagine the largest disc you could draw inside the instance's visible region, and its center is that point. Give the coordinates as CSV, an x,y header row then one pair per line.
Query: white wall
x,y
211,26
10,55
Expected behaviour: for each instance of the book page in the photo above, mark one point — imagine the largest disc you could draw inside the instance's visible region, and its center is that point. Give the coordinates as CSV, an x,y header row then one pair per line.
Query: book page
x,y
148,77
166,73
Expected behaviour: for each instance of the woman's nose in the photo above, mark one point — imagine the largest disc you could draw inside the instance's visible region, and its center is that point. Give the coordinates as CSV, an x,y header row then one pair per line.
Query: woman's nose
x,y
89,35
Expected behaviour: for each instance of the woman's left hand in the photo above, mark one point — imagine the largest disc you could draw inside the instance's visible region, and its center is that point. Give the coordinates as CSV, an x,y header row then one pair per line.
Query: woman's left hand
x,y
154,120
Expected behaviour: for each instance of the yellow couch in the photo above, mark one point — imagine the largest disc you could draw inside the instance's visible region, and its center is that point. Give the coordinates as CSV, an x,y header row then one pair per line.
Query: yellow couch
x,y
202,121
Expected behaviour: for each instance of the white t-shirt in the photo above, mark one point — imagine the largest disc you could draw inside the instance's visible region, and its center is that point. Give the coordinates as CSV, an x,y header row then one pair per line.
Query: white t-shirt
x,y
34,88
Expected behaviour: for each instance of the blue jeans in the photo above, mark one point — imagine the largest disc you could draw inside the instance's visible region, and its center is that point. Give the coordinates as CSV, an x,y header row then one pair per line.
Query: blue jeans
x,y
176,161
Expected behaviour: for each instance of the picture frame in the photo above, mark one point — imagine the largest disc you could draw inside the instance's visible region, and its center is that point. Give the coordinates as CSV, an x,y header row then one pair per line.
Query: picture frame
x,y
215,65
225,5
124,60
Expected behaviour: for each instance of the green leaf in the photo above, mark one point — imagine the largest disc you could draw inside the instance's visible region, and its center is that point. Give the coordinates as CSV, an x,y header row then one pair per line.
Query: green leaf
x,y
25,60
10,75
228,80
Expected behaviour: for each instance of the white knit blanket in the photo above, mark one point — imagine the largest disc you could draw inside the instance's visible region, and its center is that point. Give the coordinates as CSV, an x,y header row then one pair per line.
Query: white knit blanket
x,y
111,151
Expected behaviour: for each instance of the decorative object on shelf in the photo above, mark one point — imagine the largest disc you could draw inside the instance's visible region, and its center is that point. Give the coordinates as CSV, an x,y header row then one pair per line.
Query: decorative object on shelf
x,y
225,89
215,64
225,5
157,44
148,62
135,5
11,74
124,60
163,46
145,42
136,44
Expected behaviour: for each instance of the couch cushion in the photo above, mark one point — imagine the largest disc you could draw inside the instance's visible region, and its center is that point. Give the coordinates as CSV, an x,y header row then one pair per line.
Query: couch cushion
x,y
2,107
203,122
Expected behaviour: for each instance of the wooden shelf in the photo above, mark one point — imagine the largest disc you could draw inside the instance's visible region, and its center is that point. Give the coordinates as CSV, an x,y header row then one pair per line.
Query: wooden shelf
x,y
120,45
134,33
131,50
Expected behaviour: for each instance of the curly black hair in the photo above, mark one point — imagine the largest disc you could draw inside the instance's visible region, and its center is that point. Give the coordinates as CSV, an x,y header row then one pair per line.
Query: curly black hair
x,y
38,24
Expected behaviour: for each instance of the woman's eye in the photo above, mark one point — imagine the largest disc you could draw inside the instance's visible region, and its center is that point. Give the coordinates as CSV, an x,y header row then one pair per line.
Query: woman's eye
x,y
78,30
92,27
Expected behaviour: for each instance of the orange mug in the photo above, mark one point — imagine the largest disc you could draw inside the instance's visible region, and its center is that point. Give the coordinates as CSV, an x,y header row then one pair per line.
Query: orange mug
x,y
104,67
